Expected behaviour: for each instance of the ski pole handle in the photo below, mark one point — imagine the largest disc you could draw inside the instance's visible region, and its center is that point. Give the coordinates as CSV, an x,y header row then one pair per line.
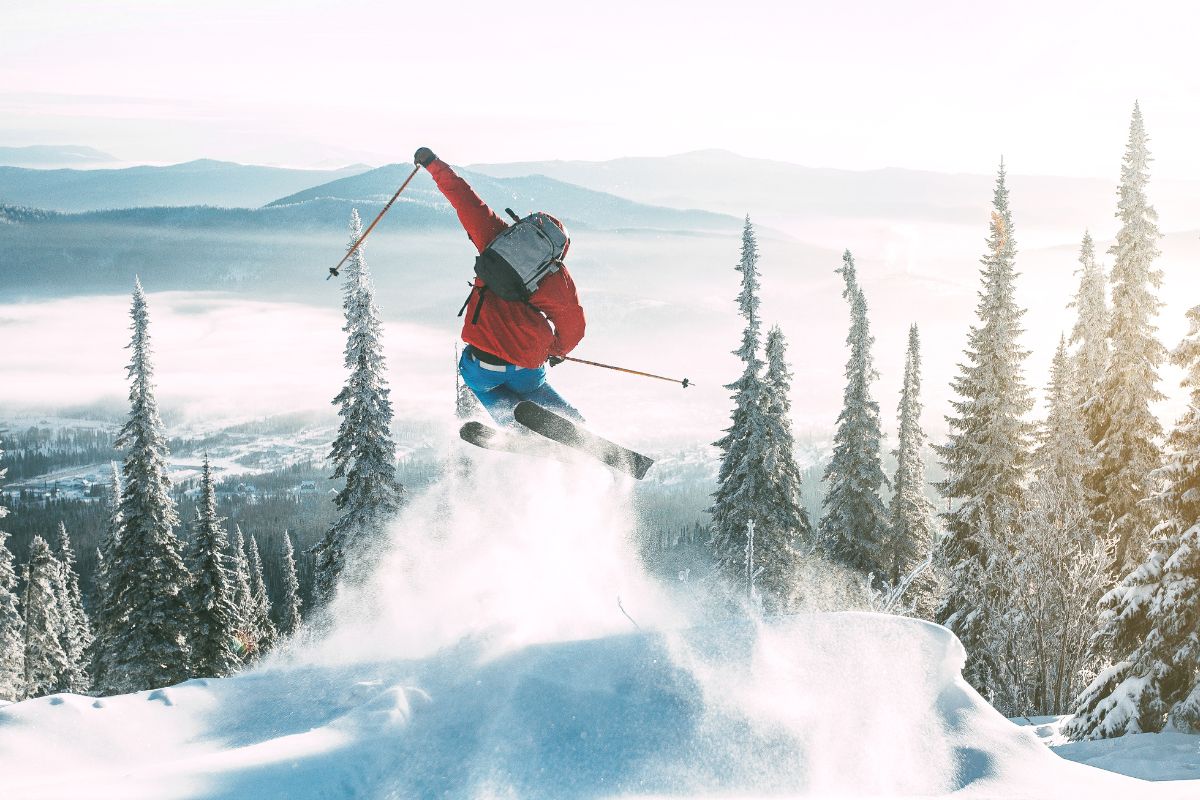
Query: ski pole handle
x,y
684,382
333,271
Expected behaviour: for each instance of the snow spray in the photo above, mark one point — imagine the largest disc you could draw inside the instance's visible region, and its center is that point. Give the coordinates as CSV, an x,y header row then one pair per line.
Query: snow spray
x,y
503,550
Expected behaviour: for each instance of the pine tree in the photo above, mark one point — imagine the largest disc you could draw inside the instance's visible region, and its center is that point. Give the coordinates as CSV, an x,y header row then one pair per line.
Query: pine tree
x,y
854,528
1180,614
741,480
76,634
211,594
987,455
12,623
785,531
264,628
1150,618
1090,334
1090,337
1128,432
45,659
363,452
12,627
911,514
1117,701
243,597
1148,622
107,615
1181,502
289,609
1064,454
146,574
1050,577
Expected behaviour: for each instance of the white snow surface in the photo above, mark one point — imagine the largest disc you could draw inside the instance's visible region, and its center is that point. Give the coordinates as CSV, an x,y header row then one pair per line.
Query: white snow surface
x,y
1165,756
482,655
826,705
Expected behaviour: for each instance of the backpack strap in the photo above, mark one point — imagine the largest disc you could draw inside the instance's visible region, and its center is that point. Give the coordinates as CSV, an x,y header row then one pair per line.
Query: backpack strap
x,y
478,306
466,302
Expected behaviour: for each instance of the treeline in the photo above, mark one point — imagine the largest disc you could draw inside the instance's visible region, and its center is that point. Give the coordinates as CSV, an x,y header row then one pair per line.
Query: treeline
x,y
766,550
264,520
160,612
1068,561
36,451
172,601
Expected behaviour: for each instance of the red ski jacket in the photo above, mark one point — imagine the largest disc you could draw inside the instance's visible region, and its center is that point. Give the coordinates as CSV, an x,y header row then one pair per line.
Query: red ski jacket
x,y
551,323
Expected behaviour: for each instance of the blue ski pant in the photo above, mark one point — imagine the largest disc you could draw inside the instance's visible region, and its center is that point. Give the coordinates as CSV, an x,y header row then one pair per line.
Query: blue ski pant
x,y
499,388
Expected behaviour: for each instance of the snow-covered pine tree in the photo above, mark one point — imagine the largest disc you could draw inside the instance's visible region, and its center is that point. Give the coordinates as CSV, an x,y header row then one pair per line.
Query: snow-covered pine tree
x,y
12,624
911,514
1181,596
1180,615
741,478
785,531
146,574
1129,431
1148,622
45,659
243,597
106,611
854,527
1090,334
1119,700
1051,574
76,633
1151,618
289,609
211,594
12,628
363,452
264,628
988,452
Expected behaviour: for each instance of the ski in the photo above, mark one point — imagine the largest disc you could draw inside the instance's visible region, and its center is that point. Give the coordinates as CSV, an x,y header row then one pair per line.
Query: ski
x,y
564,431
518,442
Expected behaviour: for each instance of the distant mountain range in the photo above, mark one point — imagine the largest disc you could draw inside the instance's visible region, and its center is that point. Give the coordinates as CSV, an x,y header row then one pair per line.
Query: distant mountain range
x,y
195,183
775,191
50,156
273,245
239,195
523,194
645,192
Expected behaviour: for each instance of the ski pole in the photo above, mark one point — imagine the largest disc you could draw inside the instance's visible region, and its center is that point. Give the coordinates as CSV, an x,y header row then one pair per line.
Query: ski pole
x,y
685,382
333,271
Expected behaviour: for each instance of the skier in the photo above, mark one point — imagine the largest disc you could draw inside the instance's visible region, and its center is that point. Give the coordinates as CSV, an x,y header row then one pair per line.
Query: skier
x,y
509,343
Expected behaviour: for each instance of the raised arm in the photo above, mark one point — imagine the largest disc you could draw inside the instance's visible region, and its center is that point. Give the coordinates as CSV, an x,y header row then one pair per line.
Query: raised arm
x,y
480,222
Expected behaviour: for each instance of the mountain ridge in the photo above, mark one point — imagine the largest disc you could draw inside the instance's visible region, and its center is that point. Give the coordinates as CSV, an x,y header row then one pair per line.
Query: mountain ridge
x,y
53,155
196,182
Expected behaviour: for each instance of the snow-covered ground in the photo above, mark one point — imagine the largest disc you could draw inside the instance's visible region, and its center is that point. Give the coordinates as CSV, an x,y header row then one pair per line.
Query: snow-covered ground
x,y
483,655
816,705
1167,756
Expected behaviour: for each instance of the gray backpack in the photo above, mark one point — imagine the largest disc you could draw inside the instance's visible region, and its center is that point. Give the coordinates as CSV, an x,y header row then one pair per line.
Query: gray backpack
x,y
522,255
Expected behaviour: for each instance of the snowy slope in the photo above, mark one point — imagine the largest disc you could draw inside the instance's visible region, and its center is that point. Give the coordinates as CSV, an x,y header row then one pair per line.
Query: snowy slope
x,y
825,705
482,654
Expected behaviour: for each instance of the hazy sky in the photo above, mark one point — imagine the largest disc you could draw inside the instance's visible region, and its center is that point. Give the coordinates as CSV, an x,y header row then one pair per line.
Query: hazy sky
x,y
930,84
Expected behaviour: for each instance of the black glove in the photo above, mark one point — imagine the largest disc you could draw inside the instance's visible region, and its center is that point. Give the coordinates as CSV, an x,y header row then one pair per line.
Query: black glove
x,y
424,157
554,361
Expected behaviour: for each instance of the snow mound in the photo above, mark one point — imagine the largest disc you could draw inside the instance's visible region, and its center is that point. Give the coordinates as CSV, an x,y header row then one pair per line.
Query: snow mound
x,y
482,655
827,705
